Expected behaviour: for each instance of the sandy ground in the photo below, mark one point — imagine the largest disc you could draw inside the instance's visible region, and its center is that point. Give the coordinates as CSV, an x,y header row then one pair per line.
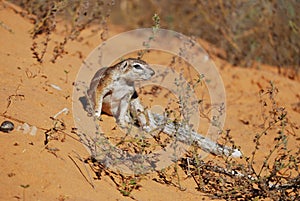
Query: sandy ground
x,y
27,97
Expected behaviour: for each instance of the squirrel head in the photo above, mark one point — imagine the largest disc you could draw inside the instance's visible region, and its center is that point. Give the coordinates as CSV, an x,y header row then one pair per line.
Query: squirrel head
x,y
135,69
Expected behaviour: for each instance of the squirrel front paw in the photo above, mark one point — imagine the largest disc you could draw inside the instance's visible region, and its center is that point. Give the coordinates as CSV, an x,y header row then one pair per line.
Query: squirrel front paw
x,y
97,115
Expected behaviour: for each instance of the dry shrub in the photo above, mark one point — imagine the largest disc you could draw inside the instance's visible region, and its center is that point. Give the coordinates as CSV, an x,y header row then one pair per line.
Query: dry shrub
x,y
277,177
248,31
69,17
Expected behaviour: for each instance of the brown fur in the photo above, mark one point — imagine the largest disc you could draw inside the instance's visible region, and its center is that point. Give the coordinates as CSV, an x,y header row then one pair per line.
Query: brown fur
x,y
112,88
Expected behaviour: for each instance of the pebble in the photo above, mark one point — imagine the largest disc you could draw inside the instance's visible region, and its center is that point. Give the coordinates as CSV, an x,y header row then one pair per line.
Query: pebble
x,y
26,128
7,126
33,131
54,86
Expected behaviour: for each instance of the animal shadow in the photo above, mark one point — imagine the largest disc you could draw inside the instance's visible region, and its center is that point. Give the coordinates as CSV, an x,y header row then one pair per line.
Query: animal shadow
x,y
85,104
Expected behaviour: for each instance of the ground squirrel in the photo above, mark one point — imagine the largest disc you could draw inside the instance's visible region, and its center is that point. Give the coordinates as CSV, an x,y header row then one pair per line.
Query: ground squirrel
x,y
112,90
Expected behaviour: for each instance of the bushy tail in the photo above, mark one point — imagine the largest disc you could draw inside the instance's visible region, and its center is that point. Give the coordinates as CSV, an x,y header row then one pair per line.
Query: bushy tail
x,y
186,135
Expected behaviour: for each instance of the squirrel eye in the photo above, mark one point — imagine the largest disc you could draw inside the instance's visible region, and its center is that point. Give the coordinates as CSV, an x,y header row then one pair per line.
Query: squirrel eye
x,y
137,66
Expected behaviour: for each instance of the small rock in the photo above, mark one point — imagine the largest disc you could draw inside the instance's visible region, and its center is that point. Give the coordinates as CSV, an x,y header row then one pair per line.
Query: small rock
x,y
33,131
25,127
16,144
55,87
7,126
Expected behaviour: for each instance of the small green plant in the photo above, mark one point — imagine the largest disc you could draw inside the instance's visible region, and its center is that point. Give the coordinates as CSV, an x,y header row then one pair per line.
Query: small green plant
x,y
124,184
24,188
67,75
128,185
155,28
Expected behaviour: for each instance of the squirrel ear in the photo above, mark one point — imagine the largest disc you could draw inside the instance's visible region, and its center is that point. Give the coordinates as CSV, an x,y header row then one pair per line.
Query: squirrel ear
x,y
124,65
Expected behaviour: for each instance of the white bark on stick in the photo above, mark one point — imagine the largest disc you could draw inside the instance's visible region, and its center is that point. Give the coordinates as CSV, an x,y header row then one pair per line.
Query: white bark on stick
x,y
186,135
